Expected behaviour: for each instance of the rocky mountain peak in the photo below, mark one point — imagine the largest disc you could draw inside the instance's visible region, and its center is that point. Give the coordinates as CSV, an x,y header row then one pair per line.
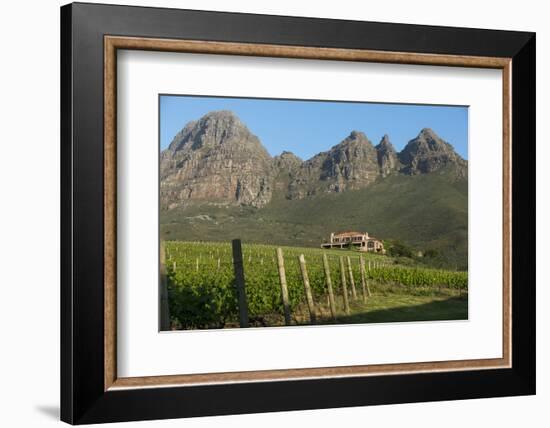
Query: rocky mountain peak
x,y
356,147
385,142
428,133
287,162
386,156
428,152
216,159
223,119
356,136
288,155
214,128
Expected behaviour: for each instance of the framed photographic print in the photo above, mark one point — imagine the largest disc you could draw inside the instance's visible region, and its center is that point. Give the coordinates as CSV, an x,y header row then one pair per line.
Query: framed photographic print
x,y
265,213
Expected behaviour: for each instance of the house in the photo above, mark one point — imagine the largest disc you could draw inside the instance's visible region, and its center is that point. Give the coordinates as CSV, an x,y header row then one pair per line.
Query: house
x,y
358,239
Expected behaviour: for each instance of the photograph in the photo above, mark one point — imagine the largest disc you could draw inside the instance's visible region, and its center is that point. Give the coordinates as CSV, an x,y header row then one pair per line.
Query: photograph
x,y
279,212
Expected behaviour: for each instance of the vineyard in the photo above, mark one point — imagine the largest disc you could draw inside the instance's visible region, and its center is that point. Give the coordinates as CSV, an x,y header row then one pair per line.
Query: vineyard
x,y
202,291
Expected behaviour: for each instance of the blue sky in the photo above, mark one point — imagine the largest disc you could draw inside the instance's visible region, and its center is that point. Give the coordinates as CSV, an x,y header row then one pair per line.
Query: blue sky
x,y
309,127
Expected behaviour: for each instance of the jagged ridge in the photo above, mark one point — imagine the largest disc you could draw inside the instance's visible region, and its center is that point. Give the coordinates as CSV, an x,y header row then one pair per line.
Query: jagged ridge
x,y
218,160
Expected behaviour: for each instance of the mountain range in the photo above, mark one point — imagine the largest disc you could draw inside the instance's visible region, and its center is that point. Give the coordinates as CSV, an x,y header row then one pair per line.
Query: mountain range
x,y
216,178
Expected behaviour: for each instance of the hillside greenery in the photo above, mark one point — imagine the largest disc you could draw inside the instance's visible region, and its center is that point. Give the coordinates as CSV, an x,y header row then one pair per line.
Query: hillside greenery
x,y
423,219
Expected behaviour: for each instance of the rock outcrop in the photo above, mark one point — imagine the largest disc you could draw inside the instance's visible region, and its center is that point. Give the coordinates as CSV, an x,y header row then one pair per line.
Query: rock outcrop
x,y
215,159
387,157
428,153
287,163
351,164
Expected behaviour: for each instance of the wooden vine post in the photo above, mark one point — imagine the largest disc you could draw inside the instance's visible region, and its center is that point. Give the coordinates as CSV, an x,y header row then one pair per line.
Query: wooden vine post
x,y
284,288
328,282
351,280
364,284
239,282
344,285
163,284
307,289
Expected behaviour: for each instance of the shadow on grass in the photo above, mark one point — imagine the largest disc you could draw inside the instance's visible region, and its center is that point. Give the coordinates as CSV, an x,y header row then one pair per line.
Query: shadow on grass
x,y
453,308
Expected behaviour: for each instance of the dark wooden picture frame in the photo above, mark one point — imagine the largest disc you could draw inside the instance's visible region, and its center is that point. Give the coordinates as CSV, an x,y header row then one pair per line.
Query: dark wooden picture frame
x,y
90,37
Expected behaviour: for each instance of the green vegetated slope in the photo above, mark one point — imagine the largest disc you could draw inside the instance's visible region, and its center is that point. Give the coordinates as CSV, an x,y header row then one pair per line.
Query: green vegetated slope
x,y
428,212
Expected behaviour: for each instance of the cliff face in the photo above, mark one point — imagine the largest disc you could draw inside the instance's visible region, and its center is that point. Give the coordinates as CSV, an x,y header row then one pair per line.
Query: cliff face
x,y
387,157
428,153
215,159
287,163
218,160
351,164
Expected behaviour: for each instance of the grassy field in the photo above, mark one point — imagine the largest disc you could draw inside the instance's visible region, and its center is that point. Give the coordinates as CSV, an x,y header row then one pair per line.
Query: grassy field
x,y
202,292
402,308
